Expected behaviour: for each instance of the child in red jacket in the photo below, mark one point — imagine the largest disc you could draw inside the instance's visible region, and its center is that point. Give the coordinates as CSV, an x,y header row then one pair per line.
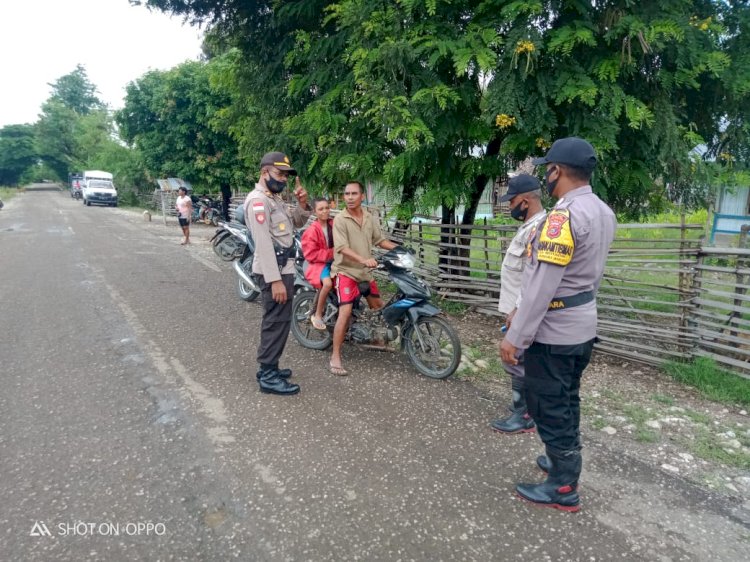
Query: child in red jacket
x,y
317,246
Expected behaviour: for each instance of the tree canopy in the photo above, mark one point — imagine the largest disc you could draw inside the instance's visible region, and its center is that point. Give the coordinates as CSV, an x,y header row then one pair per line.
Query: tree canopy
x,y
17,152
173,119
435,97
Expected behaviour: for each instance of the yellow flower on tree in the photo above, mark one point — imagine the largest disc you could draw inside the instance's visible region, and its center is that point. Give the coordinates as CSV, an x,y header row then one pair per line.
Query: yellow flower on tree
x,y
524,47
541,143
504,121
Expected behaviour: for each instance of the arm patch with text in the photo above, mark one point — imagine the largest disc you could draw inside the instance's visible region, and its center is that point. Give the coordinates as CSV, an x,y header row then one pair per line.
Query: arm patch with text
x,y
556,243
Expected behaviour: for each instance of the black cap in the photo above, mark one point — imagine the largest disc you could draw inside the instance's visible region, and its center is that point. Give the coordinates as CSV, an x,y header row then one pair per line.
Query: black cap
x,y
522,183
279,160
572,151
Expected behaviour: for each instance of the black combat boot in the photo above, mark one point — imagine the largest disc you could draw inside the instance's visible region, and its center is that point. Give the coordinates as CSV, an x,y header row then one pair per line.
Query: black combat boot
x,y
544,463
560,488
283,373
272,383
519,420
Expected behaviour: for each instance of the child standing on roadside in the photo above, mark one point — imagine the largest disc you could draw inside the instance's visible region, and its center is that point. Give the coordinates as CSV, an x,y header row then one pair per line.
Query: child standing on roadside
x,y
317,246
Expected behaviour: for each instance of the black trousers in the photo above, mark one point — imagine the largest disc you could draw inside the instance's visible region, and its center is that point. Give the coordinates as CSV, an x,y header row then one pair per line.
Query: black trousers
x,y
277,318
552,389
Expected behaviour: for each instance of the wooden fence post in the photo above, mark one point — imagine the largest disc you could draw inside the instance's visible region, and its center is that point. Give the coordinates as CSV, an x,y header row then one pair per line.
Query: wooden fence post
x,y
741,278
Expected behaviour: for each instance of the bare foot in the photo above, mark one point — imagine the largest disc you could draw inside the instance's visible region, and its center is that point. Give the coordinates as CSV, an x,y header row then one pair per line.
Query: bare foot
x,y
338,370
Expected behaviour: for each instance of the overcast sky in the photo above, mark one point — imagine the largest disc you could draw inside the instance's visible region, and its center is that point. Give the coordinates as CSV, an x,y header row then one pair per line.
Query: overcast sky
x,y
42,40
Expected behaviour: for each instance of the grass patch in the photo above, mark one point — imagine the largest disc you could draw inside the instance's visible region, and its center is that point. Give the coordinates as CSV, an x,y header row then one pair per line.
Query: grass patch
x,y
706,446
712,382
645,435
598,423
637,414
663,399
8,193
698,417
453,307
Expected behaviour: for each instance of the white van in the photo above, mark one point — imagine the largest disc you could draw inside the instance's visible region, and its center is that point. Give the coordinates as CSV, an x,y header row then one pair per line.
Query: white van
x,y
98,187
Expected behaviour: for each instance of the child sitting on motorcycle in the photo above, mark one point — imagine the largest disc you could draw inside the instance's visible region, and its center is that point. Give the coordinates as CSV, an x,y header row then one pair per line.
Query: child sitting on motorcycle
x,y
317,247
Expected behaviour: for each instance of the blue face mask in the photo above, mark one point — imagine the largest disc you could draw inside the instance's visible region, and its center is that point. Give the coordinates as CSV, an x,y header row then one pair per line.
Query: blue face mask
x,y
551,185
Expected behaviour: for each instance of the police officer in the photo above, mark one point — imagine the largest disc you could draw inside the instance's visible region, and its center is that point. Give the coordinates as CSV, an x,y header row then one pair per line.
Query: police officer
x,y
525,197
272,226
556,318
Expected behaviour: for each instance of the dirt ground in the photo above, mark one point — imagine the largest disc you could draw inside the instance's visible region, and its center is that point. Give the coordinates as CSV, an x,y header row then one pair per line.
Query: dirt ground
x,y
635,408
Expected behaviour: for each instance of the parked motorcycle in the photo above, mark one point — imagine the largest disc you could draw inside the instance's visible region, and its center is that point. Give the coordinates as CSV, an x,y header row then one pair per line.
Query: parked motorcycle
x,y
430,342
229,241
206,210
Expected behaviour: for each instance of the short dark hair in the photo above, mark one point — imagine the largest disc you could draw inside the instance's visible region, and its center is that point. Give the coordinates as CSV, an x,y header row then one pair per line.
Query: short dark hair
x,y
577,173
182,188
318,200
356,182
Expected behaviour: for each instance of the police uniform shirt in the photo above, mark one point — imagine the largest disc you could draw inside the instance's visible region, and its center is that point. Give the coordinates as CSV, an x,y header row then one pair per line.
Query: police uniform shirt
x,y
269,219
568,257
517,256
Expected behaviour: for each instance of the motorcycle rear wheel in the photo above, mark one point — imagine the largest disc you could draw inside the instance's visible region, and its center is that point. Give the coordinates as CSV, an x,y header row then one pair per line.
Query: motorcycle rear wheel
x,y
225,246
438,353
302,309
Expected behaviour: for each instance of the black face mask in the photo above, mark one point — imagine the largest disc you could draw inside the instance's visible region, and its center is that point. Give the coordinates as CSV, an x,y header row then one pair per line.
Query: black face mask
x,y
551,185
518,213
274,185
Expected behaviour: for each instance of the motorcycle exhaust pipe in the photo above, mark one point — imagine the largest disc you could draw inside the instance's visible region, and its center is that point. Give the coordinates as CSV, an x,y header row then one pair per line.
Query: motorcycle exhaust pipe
x,y
244,276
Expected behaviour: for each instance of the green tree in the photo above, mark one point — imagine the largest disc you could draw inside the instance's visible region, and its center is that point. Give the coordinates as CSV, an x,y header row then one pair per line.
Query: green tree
x,y
17,152
66,115
172,118
75,91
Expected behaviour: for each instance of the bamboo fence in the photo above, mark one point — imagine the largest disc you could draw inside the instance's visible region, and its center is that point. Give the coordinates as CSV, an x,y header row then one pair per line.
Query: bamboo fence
x,y
665,295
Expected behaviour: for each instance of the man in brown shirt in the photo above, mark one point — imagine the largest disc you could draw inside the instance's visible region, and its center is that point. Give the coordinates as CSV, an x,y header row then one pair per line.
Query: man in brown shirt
x,y
355,232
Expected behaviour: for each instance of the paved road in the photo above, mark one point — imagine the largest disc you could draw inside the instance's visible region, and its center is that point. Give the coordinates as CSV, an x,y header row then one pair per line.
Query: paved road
x,y
129,404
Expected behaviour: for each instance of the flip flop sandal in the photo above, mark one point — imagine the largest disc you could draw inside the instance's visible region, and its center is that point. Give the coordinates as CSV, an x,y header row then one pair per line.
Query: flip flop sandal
x,y
317,323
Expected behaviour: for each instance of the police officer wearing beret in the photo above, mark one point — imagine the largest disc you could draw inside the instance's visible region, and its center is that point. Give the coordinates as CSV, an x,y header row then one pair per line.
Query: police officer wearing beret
x,y
272,226
555,324
525,198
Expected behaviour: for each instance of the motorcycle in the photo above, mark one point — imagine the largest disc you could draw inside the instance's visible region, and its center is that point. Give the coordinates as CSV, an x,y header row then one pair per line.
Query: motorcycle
x,y
229,241
205,210
430,342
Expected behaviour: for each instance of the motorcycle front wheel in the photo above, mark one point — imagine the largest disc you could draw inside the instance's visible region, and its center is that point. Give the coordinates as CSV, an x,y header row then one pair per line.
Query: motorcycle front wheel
x,y
433,347
304,332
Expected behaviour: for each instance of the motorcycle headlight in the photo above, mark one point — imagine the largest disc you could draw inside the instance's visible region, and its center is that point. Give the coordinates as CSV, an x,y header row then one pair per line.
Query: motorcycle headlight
x,y
404,261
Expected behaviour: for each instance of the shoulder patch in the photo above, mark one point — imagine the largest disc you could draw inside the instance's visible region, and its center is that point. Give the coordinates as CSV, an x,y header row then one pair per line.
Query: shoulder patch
x,y
556,243
259,211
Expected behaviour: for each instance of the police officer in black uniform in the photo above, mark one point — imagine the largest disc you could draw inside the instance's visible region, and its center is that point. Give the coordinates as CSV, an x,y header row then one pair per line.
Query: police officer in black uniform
x,y
556,318
272,224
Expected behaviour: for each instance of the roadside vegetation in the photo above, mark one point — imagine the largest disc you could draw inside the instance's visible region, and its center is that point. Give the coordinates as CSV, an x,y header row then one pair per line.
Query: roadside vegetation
x,y
8,193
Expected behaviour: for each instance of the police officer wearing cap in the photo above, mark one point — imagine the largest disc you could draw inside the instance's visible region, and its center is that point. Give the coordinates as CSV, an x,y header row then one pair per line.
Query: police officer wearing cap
x,y
525,197
555,324
272,226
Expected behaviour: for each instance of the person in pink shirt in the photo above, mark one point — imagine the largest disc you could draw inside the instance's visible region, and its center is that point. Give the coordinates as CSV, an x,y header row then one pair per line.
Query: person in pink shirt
x,y
317,246
184,206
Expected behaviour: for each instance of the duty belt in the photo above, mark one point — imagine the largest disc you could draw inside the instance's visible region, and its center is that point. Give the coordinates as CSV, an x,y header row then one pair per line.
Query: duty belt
x,y
561,303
